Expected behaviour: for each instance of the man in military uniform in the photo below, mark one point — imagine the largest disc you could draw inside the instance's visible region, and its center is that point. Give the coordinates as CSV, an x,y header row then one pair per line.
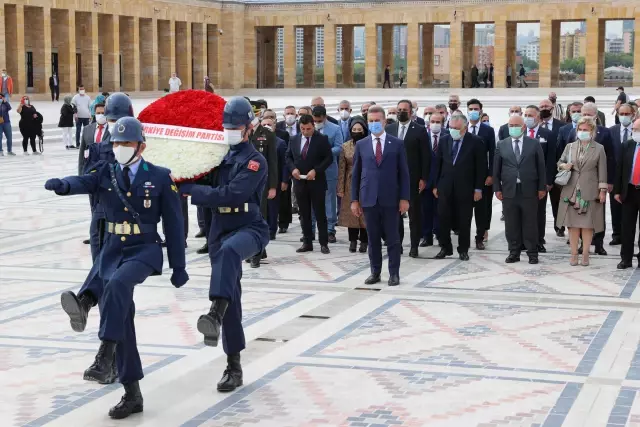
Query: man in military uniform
x,y
135,195
237,232
264,140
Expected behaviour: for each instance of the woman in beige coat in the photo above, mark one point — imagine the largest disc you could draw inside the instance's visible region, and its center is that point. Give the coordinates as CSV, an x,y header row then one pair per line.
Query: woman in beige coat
x,y
582,200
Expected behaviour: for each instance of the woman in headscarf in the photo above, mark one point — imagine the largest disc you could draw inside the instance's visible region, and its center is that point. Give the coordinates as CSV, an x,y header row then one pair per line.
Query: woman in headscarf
x,y
66,123
357,230
208,86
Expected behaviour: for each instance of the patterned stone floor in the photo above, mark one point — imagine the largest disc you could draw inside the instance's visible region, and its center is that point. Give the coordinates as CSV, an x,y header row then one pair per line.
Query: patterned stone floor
x,y
458,344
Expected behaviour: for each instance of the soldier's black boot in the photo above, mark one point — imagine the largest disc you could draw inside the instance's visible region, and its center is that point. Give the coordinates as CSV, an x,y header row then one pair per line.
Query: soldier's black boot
x,y
232,376
103,369
255,261
131,402
77,308
209,324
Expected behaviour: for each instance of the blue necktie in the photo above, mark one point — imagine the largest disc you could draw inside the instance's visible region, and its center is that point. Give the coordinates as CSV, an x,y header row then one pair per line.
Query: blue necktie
x,y
454,151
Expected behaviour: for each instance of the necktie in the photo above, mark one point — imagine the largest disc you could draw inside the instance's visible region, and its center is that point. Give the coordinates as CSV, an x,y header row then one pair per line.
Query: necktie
x,y
379,152
305,149
531,135
545,125
290,130
435,143
516,150
402,132
125,177
626,135
456,147
473,130
99,136
635,174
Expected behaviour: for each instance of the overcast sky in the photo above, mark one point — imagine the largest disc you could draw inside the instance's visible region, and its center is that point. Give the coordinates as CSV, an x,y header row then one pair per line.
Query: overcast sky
x,y
613,27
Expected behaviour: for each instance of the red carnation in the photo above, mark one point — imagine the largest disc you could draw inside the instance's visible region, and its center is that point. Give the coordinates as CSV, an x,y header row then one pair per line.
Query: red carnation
x,y
186,108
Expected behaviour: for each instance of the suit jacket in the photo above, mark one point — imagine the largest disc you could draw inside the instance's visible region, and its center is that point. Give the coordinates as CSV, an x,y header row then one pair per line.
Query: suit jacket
x,y
346,135
420,121
548,144
386,184
503,132
88,139
333,132
624,168
51,85
334,121
434,156
283,171
282,134
468,174
603,137
318,158
616,141
488,137
531,168
416,145
601,120
282,125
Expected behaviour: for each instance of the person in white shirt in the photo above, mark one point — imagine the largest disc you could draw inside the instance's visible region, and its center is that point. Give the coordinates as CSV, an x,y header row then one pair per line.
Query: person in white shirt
x,y
174,83
82,103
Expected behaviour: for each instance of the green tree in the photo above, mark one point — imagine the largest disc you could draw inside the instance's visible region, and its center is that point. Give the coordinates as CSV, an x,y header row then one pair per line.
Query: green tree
x,y
573,64
529,64
618,59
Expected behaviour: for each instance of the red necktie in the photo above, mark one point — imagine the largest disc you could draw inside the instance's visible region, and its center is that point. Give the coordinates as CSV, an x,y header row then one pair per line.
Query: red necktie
x,y
379,151
635,177
305,149
99,136
531,133
435,143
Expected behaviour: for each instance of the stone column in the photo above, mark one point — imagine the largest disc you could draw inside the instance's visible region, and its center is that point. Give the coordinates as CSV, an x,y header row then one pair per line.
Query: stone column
x,y
198,31
87,41
309,56
231,55
505,52
594,61
15,54
63,37
455,55
213,42
636,52
371,56
166,64
148,52
387,52
130,48
289,52
347,55
42,85
109,42
468,50
183,56
35,41
329,55
427,54
412,73
549,53
249,57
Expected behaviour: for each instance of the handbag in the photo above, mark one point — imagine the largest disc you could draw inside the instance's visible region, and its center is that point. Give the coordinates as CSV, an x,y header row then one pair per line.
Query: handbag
x,y
562,177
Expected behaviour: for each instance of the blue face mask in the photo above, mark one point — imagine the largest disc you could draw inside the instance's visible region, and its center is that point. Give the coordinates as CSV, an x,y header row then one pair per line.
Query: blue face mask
x,y
474,115
375,127
455,134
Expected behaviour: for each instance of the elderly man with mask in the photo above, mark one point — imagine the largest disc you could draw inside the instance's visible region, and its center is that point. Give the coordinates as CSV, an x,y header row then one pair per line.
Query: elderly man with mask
x,y
392,115
344,109
429,202
414,114
426,115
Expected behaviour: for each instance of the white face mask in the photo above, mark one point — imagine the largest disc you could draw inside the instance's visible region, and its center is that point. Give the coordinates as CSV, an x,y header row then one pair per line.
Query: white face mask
x,y
636,136
435,127
344,114
81,91
233,137
290,119
319,126
101,119
26,102
393,117
124,155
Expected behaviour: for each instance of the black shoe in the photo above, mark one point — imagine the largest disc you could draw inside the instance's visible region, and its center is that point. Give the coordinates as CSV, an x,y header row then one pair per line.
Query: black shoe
x,y
363,248
86,242
255,261
615,241
232,376
426,242
306,247
204,249
131,402
543,241
282,230
77,309
272,236
560,233
332,238
324,249
512,258
464,256
373,279
209,324
533,259
200,234
541,248
600,251
103,368
622,265
413,252
394,280
312,239
444,253
480,245
353,246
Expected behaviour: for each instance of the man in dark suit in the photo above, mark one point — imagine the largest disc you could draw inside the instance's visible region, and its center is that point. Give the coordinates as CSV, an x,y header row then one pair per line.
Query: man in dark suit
x,y
520,182
627,192
483,207
418,157
414,115
290,123
429,202
308,156
547,121
503,132
534,130
344,110
291,126
93,133
54,86
601,120
461,168
318,101
380,189
620,133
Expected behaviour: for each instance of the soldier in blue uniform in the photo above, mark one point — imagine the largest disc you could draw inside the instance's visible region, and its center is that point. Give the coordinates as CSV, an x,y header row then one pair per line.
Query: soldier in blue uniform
x,y
237,232
135,195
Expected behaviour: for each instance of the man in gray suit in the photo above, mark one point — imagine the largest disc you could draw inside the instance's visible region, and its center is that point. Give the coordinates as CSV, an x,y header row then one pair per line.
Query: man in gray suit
x,y
96,131
519,179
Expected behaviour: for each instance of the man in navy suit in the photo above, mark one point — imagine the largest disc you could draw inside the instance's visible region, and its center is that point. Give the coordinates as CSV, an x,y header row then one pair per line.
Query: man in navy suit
x,y
460,175
380,188
429,201
482,207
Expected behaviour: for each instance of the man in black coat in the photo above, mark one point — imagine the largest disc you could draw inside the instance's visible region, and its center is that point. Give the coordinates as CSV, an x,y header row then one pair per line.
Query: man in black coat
x,y
54,86
416,144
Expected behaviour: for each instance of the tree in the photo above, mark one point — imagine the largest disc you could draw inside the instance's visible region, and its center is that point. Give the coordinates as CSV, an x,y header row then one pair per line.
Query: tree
x,y
529,64
618,59
573,64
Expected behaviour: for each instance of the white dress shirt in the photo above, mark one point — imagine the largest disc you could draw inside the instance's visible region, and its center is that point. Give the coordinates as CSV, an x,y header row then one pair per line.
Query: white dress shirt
x,y
400,130
374,142
470,128
549,124
303,140
291,129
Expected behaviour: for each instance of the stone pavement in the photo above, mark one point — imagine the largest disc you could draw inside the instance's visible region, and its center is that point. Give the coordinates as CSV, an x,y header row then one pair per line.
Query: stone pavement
x,y
457,344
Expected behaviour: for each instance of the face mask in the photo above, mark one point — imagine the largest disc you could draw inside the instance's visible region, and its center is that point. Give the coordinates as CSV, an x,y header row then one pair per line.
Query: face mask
x,y
26,102
344,114
233,137
455,134
545,114
403,116
357,136
290,119
435,127
319,126
426,118
584,135
487,123
453,106
124,155
81,91
101,119
474,115
625,120
636,136
515,132
4,74
530,122
575,117
1,100
268,127
392,117
553,100
375,127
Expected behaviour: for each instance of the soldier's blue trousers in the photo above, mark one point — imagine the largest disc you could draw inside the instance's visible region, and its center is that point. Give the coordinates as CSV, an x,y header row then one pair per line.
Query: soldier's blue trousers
x,y
117,312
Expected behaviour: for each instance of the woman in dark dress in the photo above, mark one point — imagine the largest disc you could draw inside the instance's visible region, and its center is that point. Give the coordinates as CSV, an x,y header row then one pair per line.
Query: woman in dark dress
x,y
30,124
